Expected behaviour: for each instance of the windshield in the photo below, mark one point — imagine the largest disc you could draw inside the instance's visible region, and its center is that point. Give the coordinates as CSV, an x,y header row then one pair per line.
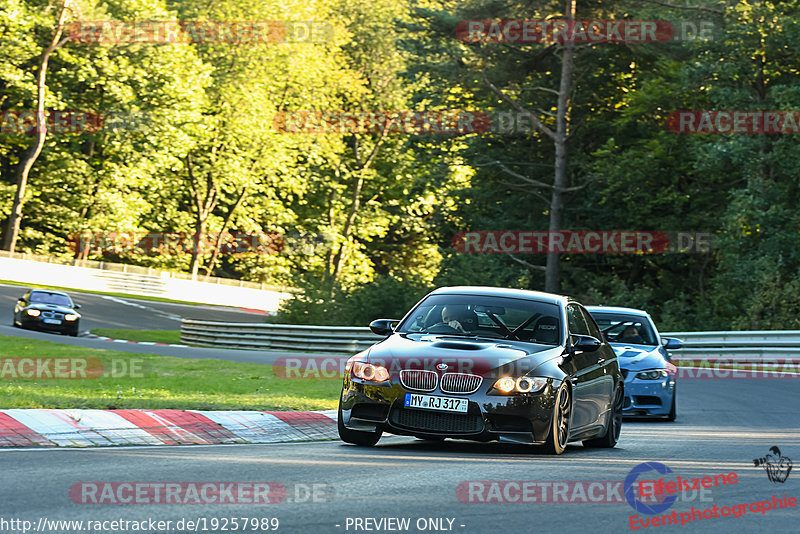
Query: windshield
x,y
486,316
623,328
42,297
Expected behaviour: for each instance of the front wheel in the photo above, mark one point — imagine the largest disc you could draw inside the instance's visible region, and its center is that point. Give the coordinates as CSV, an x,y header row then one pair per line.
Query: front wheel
x,y
559,427
672,410
356,437
610,438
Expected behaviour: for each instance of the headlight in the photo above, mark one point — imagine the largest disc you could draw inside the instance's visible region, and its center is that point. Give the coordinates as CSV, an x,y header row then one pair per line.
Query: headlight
x,y
71,317
524,384
33,313
367,371
657,374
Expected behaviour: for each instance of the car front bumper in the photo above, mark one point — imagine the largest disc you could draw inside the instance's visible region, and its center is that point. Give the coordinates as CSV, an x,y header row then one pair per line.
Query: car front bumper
x,y
514,418
37,323
647,398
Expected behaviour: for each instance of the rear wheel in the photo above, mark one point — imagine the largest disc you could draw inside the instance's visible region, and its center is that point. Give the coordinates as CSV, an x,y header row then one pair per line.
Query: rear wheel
x,y
610,438
559,427
672,410
356,437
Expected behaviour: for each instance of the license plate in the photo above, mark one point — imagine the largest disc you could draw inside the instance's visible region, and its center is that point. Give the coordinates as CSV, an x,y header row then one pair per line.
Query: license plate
x,y
51,321
442,404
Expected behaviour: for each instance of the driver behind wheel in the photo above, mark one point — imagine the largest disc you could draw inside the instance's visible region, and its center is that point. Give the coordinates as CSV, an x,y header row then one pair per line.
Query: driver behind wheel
x,y
459,318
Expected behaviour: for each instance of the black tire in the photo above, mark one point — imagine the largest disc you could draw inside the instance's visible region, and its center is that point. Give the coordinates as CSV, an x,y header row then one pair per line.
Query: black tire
x,y
673,409
73,333
610,438
356,437
562,417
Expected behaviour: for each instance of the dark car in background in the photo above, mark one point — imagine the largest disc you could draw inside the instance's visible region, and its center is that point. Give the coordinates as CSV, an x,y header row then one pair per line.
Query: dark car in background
x,y
484,363
650,389
43,309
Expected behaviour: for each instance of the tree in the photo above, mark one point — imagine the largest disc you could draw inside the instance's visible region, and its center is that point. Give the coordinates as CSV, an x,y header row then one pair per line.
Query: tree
x,y
30,156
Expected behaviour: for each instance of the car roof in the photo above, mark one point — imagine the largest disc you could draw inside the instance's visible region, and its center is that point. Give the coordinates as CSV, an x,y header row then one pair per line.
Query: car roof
x,y
502,292
617,309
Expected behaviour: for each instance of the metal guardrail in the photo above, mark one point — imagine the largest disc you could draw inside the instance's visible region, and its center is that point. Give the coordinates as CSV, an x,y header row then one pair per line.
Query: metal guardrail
x,y
739,346
263,336
148,272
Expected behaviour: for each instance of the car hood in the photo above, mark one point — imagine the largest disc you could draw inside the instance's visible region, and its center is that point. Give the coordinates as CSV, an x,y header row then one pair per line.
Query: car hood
x,y
481,356
50,307
638,357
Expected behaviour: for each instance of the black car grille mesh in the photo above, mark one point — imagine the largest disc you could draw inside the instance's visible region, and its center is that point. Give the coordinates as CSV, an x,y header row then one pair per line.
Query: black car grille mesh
x,y
419,380
436,422
460,383
52,315
647,399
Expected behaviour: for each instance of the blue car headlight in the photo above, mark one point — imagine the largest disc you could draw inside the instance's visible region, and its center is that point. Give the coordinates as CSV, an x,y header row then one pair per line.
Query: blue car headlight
x,y
654,374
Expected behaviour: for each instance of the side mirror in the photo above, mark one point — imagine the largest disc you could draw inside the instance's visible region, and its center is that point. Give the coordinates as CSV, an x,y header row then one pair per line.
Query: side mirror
x,y
76,306
382,327
671,343
586,343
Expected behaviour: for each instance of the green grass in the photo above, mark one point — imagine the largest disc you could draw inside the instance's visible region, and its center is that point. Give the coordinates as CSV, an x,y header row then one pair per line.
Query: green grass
x,y
165,382
157,336
72,292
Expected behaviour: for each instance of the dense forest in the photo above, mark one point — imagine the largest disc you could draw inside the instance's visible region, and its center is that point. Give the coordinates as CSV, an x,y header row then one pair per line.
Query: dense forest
x,y
359,139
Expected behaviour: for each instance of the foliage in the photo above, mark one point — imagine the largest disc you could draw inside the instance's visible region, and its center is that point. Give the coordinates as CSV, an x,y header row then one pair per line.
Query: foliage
x,y
367,218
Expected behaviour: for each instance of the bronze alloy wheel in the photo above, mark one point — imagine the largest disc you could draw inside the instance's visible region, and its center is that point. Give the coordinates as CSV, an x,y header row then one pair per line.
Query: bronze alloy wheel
x,y
562,415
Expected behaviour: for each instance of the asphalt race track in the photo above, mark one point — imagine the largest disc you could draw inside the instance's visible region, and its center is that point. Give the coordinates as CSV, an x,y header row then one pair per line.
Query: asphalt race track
x,y
723,425
98,311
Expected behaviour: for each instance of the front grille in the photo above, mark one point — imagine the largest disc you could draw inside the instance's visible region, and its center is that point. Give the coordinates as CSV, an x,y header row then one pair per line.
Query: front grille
x,y
510,423
436,422
371,412
419,380
52,315
647,399
460,383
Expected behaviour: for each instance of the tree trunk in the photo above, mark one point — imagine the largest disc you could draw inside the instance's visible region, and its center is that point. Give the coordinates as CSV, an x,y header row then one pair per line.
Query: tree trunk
x,y
355,202
221,233
30,156
553,267
204,204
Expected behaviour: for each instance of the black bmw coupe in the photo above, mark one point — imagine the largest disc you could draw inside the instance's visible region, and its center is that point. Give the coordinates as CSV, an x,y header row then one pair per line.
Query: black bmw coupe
x,y
484,363
43,309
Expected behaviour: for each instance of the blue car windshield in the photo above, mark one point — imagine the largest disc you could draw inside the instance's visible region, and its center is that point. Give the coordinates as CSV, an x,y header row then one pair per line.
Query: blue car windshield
x,y
42,297
623,328
486,316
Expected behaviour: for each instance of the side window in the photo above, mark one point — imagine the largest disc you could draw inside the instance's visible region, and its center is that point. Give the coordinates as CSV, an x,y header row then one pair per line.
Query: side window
x,y
577,321
594,330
